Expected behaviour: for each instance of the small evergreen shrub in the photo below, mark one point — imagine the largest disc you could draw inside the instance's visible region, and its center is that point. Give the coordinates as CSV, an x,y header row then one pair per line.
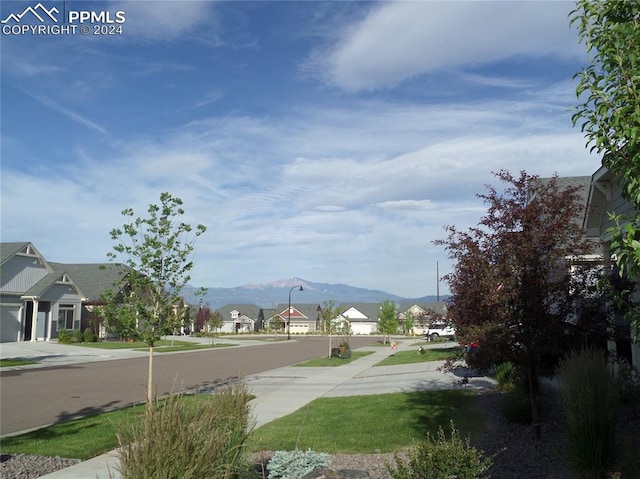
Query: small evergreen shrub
x,y
295,464
441,458
63,337
590,404
75,336
200,437
89,336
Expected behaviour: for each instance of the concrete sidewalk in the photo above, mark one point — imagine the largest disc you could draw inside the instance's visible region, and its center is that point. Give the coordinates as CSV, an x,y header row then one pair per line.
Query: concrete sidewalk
x,y
284,390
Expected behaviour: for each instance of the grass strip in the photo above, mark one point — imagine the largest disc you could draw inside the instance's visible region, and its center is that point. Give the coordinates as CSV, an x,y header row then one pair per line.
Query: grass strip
x,y
161,346
333,362
408,357
7,363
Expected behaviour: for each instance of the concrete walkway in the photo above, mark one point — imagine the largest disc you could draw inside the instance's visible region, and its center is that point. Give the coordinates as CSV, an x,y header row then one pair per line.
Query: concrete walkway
x,y
282,391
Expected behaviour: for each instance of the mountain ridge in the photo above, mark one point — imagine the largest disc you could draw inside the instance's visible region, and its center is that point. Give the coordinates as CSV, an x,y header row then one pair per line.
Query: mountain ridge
x,y
268,295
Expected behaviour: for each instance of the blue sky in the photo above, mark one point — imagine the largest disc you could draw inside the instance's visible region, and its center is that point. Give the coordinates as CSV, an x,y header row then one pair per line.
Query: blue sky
x,y
330,141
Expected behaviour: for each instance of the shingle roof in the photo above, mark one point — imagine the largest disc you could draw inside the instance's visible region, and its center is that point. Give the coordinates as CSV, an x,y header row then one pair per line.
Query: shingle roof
x,y
93,279
438,307
44,284
310,310
370,310
247,309
8,250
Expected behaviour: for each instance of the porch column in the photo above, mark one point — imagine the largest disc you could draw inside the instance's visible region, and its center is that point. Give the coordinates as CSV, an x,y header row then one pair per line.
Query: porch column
x,y
34,321
21,312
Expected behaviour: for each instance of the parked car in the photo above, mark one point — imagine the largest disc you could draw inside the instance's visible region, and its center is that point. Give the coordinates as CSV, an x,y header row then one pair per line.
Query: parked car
x,y
437,330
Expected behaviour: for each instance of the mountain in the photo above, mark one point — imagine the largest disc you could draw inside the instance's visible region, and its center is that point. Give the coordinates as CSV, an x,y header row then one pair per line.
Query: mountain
x,y
277,292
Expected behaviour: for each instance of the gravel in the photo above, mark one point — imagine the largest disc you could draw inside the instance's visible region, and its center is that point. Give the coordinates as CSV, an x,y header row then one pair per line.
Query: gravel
x,y
517,451
25,466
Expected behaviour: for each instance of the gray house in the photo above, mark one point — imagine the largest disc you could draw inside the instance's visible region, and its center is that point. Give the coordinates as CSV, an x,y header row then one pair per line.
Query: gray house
x,y
40,298
36,299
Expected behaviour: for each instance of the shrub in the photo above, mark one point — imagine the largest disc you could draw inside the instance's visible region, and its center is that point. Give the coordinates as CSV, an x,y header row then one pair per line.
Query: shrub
x,y
507,376
89,336
199,437
63,337
441,458
295,464
75,336
589,400
515,406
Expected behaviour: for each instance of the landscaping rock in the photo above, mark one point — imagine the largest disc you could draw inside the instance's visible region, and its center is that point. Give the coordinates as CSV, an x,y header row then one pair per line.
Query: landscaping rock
x,y
328,473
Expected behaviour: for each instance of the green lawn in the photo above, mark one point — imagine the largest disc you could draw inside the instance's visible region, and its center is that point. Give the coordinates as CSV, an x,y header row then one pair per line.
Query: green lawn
x,y
5,363
370,424
413,356
345,424
332,362
163,346
78,439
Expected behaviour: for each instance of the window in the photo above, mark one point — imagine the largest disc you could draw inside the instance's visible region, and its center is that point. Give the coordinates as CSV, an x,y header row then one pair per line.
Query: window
x,y
65,317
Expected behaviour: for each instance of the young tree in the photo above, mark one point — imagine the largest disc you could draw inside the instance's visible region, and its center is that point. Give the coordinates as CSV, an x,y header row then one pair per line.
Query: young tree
x,y
388,321
408,322
329,314
610,110
511,286
157,249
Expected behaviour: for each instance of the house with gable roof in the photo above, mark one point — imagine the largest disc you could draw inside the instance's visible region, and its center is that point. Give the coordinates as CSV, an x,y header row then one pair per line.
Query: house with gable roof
x,y
239,318
305,318
40,298
363,317
424,313
36,299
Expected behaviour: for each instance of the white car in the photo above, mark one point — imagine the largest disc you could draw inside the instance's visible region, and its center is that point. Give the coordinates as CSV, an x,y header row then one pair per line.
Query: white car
x,y
437,330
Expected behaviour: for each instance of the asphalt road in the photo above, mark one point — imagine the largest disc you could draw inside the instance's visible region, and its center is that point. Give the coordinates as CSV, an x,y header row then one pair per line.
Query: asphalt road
x,y
31,398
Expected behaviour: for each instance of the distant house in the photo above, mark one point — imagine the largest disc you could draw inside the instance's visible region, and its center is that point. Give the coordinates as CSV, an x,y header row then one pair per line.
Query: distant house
x,y
424,313
305,318
363,317
239,318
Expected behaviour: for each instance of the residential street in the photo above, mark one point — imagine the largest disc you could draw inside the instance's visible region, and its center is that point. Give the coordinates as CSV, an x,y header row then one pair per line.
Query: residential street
x,y
31,398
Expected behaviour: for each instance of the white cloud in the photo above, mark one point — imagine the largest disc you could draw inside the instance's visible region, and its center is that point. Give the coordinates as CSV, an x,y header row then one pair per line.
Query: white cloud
x,y
164,20
400,40
70,114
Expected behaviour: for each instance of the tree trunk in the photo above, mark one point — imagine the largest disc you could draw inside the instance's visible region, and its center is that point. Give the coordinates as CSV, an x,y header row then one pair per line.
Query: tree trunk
x,y
535,407
150,381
